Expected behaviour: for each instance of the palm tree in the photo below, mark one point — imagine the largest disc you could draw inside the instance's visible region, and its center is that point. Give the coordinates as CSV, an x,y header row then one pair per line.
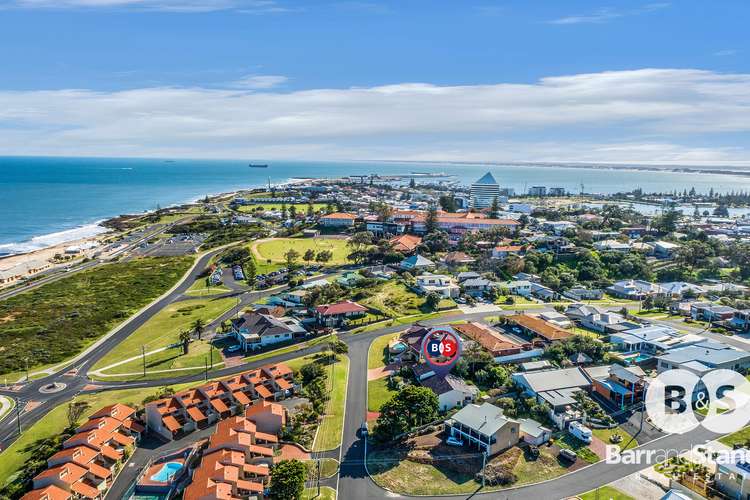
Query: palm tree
x,y
185,339
198,326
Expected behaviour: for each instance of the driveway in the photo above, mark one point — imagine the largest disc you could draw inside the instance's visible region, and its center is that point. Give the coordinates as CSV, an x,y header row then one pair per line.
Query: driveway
x,y
479,308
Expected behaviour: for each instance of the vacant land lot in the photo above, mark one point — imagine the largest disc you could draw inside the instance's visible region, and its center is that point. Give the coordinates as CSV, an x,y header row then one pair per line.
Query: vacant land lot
x,y
607,492
377,355
378,393
56,321
274,249
301,208
164,329
393,299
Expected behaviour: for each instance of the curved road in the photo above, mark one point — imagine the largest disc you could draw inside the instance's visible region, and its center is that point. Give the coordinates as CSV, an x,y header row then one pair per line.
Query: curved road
x,y
353,480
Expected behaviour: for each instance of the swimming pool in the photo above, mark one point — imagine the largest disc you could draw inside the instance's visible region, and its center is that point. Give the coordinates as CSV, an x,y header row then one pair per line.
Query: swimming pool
x,y
167,472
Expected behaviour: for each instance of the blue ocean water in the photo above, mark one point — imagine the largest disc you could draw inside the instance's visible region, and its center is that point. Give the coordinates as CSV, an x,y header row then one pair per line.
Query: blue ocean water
x,y
44,201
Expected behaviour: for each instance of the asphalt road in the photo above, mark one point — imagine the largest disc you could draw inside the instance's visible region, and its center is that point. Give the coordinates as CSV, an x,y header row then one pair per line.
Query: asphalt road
x,y
353,480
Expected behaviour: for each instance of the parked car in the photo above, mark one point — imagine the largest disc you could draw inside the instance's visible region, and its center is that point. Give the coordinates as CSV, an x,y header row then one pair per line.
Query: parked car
x,y
451,441
580,431
234,348
569,455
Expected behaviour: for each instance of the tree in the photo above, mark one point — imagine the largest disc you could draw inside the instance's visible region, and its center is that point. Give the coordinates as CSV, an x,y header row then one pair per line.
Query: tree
x,y
75,412
311,371
410,407
412,183
185,339
251,271
667,223
721,210
494,208
283,210
293,212
198,326
384,211
291,257
436,241
358,243
448,202
431,220
323,256
310,209
338,346
309,256
432,301
288,479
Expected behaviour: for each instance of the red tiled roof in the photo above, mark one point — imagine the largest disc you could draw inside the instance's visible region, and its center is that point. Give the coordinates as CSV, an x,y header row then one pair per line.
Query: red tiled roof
x,y
99,471
171,423
263,391
343,307
219,405
339,215
196,414
85,490
283,384
50,492
68,473
540,327
509,248
241,397
118,411
405,242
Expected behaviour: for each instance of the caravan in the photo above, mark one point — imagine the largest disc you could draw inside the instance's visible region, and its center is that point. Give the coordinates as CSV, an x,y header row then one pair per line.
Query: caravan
x,y
580,431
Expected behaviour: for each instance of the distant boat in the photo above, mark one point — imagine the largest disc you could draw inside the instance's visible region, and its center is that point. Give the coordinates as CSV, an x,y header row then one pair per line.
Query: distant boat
x,y
254,165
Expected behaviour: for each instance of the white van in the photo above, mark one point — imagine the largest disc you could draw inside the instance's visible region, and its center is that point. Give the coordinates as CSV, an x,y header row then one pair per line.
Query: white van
x,y
580,431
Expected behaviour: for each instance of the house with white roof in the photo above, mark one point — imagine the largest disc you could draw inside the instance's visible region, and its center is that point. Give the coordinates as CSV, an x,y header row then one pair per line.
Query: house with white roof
x,y
651,339
612,246
704,356
634,289
438,283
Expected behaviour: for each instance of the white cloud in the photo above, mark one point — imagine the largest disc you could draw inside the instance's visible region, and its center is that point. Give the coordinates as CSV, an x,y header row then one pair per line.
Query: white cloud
x,y
648,115
606,14
259,81
247,6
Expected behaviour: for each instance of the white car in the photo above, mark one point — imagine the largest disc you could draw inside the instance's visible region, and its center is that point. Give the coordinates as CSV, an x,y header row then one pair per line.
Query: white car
x,y
451,441
234,348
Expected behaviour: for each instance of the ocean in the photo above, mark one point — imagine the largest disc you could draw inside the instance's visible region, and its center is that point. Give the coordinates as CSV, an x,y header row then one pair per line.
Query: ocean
x,y
46,201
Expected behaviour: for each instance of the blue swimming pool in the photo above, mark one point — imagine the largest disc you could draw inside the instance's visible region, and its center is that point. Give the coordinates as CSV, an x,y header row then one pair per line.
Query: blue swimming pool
x,y
167,472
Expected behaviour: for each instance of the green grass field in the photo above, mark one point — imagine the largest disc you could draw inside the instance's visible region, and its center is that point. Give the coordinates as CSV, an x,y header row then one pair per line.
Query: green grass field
x,y
742,437
301,208
200,288
378,393
274,249
58,320
395,300
326,493
604,435
376,356
605,493
163,329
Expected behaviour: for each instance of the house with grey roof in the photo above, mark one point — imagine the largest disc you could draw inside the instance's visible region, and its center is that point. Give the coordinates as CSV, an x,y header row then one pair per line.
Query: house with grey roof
x,y
554,387
416,263
651,339
703,357
452,391
484,427
476,287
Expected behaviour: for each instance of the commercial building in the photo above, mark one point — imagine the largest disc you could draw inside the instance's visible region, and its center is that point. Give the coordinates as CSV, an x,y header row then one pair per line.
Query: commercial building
x,y
484,191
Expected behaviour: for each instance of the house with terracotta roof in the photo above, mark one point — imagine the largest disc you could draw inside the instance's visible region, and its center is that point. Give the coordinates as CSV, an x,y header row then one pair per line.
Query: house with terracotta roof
x,y
268,417
538,329
405,243
458,258
491,340
86,465
236,463
199,407
501,252
337,314
337,219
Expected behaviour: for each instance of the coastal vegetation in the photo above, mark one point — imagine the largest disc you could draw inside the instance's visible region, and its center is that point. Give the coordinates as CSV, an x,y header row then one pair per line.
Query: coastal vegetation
x,y
56,321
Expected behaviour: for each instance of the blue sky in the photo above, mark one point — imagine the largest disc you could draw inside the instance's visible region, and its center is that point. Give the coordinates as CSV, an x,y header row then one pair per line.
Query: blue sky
x,y
652,82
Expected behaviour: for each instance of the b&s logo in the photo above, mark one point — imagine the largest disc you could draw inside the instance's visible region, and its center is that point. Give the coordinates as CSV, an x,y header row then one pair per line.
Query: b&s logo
x,y
441,348
721,396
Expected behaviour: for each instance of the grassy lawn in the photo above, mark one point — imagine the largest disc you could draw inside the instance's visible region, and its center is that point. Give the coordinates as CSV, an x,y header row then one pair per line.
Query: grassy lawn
x,y
605,493
328,467
6,406
742,437
332,427
301,207
395,300
274,249
604,435
326,493
585,332
13,458
545,467
581,448
378,393
377,355
163,329
403,321
200,287
414,478
56,321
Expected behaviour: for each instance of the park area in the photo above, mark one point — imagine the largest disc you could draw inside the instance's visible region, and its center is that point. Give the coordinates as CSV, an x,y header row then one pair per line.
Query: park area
x,y
271,251
58,320
163,330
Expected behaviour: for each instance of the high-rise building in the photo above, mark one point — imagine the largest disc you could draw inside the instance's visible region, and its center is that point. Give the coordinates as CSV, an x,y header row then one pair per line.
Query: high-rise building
x,y
484,191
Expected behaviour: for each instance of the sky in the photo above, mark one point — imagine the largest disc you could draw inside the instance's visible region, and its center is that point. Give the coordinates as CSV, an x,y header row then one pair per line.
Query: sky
x,y
516,81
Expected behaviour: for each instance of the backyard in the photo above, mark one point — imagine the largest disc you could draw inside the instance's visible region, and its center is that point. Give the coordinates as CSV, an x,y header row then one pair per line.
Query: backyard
x,y
56,321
